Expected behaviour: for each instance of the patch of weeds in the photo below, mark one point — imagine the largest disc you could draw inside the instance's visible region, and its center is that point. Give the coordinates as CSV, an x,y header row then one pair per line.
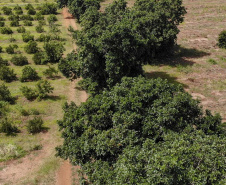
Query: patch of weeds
x,y
184,69
37,147
223,59
212,61
10,151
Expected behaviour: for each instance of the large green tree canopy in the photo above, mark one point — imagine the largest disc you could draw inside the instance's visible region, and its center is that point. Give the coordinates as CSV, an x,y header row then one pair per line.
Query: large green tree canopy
x,y
116,43
144,132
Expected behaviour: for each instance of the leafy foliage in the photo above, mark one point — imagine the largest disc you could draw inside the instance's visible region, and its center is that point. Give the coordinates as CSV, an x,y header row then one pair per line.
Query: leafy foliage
x,y
3,62
11,49
7,127
2,24
48,8
119,41
7,10
43,88
31,47
14,23
39,58
144,132
27,23
29,74
35,125
21,29
6,30
5,94
51,72
26,17
52,19
29,93
7,74
222,39
27,37
19,60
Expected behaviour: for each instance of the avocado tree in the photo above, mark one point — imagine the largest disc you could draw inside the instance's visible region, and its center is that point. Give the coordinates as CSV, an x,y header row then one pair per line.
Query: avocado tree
x,y
144,132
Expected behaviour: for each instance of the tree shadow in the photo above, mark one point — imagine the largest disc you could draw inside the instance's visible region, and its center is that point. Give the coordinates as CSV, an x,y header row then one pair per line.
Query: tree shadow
x,y
53,98
164,75
180,56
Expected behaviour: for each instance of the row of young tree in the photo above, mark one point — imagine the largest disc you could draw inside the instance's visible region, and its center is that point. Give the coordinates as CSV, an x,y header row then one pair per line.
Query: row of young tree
x,y
134,130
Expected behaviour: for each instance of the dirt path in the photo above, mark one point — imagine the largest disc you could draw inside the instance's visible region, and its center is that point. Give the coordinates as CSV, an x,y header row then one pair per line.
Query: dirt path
x,y
16,170
64,174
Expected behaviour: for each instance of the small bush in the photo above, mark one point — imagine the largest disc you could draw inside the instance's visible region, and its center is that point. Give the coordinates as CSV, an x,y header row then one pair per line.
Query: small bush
x,y
7,74
29,6
2,24
42,22
43,88
28,23
29,93
39,28
34,111
7,127
2,18
6,30
35,125
14,24
212,61
44,38
6,10
21,29
19,12
11,49
48,8
19,60
4,108
29,74
38,16
12,39
31,47
52,19
14,18
1,50
222,39
31,12
39,58
3,62
17,7
5,94
27,37
26,17
51,72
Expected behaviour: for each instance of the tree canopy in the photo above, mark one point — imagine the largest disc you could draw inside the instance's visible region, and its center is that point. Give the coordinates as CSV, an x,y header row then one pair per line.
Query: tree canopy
x,y
116,43
144,132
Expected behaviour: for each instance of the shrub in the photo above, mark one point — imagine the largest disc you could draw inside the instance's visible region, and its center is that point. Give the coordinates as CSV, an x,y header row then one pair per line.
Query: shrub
x,y
29,74
14,18
44,38
48,8
222,39
6,10
14,24
212,61
21,29
6,30
38,16
51,72
39,28
10,49
2,24
29,93
31,12
17,7
3,108
3,62
19,12
31,47
5,94
42,22
27,37
52,19
7,127
39,58
54,51
2,18
35,125
19,60
43,88
29,6
27,23
7,74
1,50
26,17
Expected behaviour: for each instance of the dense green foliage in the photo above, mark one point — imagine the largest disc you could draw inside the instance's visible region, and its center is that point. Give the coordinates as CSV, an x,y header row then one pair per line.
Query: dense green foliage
x,y
51,72
7,10
29,74
35,125
5,94
21,29
27,37
222,39
6,30
7,127
7,74
29,93
11,49
19,60
116,43
3,62
31,47
48,8
144,132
